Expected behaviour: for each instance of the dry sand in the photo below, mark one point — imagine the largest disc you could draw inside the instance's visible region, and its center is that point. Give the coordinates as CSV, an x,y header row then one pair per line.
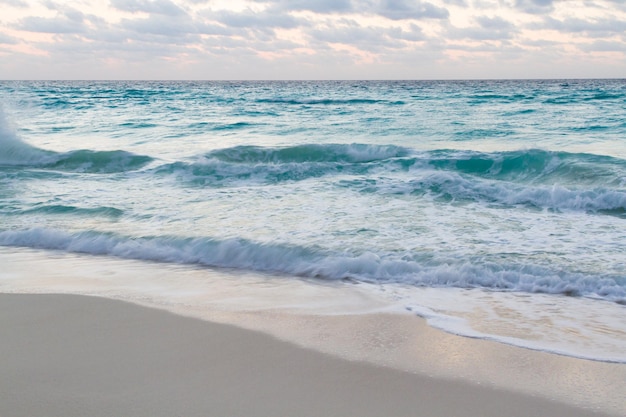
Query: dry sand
x,y
65,355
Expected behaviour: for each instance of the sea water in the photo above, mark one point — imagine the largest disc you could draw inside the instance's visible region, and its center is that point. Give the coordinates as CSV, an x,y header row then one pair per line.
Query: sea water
x,y
495,209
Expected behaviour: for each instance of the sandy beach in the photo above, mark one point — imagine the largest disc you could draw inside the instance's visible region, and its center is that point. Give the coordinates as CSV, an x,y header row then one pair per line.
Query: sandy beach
x,y
67,355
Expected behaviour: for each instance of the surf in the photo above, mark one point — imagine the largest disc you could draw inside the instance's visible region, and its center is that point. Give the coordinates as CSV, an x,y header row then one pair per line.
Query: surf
x,y
322,264
14,152
533,178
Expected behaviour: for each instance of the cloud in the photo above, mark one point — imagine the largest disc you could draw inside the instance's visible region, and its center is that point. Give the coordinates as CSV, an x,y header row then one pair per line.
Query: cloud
x,y
68,21
50,25
493,23
15,3
595,28
7,40
256,20
160,25
604,46
366,38
165,23
534,6
618,4
319,6
391,9
415,33
487,29
160,7
406,9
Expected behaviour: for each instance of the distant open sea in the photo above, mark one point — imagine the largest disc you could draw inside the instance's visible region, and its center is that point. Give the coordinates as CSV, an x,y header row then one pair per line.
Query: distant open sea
x,y
506,198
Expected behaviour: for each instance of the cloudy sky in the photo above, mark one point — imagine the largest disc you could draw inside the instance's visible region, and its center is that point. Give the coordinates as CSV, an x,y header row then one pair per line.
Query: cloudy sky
x,y
312,39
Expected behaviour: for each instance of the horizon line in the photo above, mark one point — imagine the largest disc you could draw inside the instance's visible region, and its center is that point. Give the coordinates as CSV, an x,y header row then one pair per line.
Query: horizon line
x,y
315,79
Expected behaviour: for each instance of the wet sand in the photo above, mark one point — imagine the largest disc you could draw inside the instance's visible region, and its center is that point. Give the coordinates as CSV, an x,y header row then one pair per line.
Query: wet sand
x,y
67,355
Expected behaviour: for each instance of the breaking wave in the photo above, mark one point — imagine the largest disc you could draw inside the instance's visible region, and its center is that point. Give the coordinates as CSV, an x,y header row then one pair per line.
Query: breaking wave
x,y
314,262
537,178
16,153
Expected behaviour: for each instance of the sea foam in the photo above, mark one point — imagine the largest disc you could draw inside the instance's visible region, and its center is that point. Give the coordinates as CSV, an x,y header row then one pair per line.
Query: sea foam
x,y
321,264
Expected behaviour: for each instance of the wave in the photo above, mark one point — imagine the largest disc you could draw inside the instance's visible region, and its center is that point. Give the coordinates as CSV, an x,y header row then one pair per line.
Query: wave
x,y
16,153
328,101
254,164
89,161
533,166
585,97
13,151
352,153
453,187
232,126
314,262
603,95
84,160
138,125
536,178
531,177
110,212
488,97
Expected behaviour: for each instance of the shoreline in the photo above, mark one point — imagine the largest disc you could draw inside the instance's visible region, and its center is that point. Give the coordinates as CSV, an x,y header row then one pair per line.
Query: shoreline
x,y
79,355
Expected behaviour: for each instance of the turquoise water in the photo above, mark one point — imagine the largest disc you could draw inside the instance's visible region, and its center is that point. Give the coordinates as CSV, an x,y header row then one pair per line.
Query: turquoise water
x,y
515,187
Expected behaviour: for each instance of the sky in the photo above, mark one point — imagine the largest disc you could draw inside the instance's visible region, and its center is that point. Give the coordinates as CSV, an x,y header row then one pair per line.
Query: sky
x,y
312,39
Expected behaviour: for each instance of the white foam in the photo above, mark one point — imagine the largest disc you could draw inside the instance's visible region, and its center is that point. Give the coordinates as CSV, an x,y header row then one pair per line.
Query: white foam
x,y
455,186
572,326
311,262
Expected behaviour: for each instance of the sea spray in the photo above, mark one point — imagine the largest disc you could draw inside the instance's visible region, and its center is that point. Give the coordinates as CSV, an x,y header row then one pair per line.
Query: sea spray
x,y
14,151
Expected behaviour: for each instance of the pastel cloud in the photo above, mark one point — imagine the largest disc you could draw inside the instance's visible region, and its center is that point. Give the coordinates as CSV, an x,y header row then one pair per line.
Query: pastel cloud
x,y
252,39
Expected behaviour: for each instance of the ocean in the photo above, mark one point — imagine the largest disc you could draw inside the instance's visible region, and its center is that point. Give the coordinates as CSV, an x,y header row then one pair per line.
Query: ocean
x,y
494,209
